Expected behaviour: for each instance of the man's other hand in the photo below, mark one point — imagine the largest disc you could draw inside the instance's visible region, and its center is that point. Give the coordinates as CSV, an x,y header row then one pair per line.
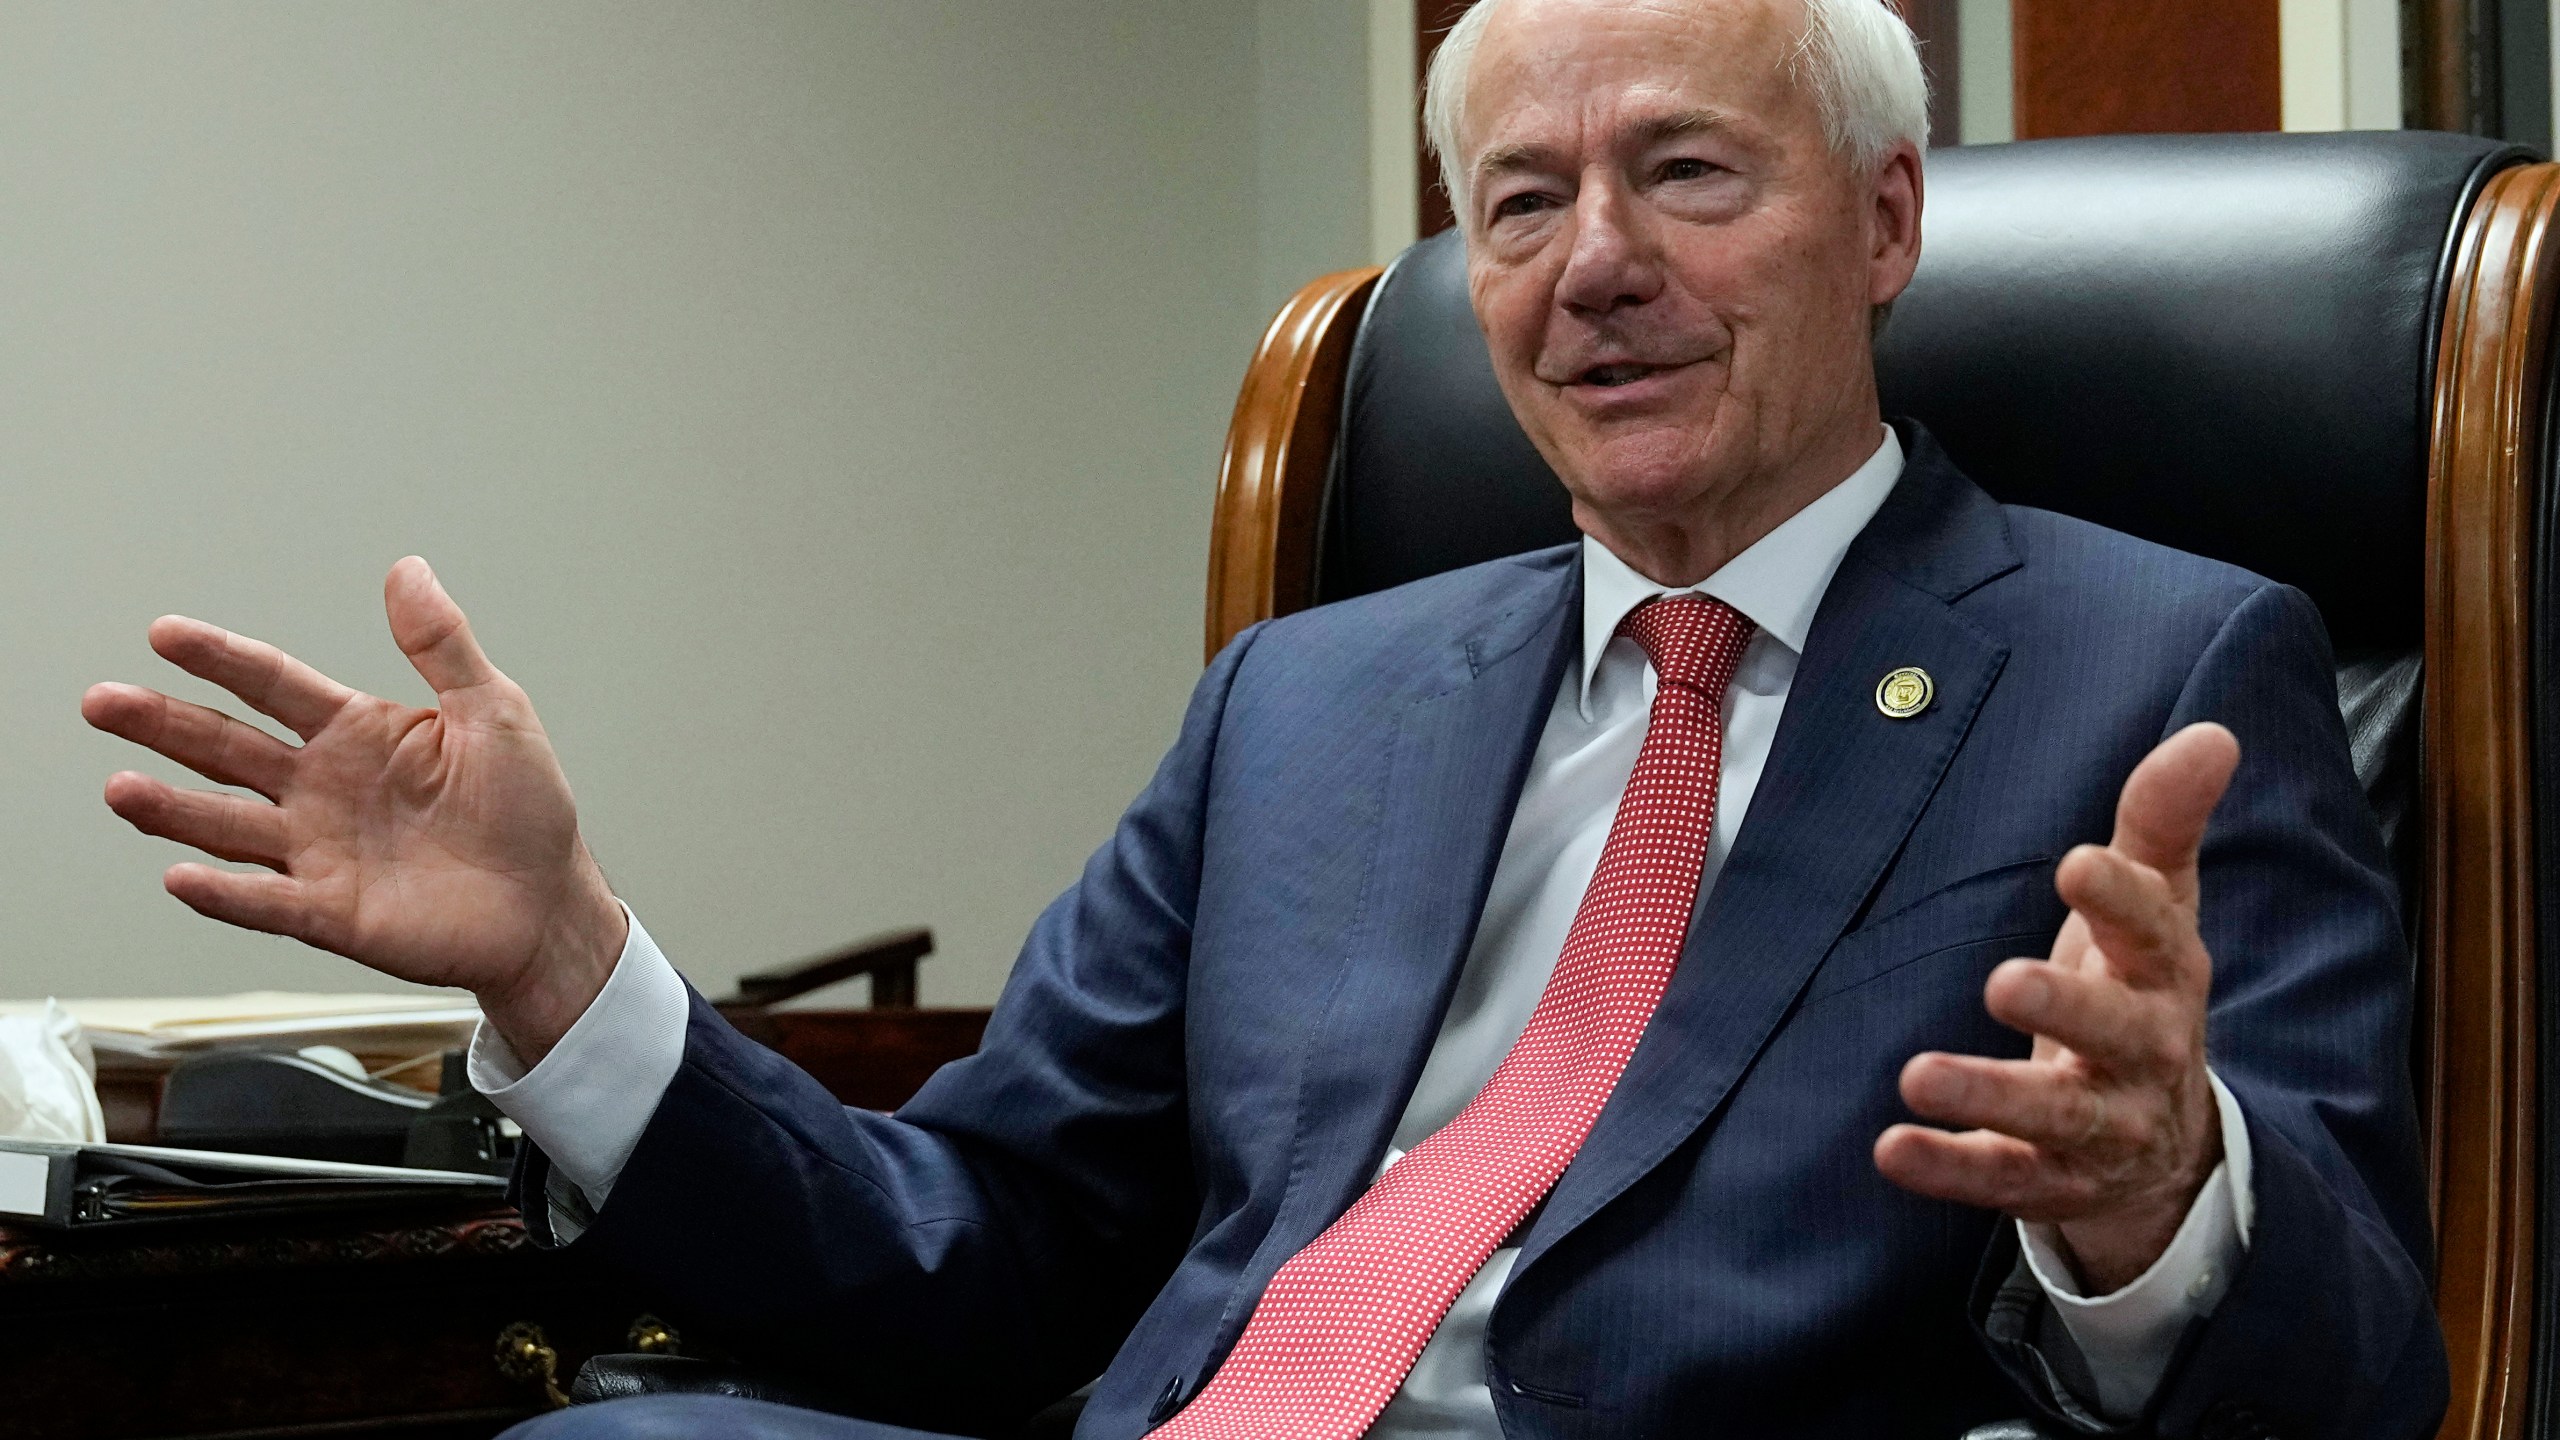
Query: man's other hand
x,y
2110,1128
440,846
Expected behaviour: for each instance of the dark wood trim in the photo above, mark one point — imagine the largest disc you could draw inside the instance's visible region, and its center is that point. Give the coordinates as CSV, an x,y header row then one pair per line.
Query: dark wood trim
x,y
30,1256
2477,941
1262,535
1934,24
461,1425
1431,22
2449,65
889,958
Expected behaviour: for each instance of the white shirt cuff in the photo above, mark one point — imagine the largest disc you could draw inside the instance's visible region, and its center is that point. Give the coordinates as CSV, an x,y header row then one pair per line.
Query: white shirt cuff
x,y
2128,1336
589,1100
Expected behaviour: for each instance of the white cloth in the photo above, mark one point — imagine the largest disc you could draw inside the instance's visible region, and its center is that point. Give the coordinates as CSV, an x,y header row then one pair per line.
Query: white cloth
x,y
48,1079
587,1103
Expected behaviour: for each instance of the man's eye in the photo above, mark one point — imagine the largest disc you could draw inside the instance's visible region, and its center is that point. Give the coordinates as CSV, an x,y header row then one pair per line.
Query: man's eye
x,y
1511,206
1687,170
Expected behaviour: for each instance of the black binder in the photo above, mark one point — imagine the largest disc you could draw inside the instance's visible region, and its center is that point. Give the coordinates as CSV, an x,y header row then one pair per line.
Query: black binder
x,y
85,1187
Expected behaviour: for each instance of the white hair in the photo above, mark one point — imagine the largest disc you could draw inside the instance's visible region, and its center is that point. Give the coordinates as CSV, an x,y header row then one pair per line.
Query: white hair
x,y
1857,56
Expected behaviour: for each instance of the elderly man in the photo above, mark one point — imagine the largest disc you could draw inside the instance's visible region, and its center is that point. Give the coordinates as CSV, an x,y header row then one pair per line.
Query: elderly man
x,y
1503,1011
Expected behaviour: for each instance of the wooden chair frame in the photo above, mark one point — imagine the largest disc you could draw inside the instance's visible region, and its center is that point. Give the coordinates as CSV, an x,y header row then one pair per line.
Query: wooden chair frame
x,y
2477,939
2477,943
1262,536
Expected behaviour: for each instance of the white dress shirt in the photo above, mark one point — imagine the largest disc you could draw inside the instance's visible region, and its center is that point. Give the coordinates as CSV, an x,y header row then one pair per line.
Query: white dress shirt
x,y
587,1103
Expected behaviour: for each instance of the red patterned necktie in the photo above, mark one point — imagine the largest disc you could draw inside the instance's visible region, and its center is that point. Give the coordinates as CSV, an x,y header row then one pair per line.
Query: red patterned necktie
x,y
1343,1320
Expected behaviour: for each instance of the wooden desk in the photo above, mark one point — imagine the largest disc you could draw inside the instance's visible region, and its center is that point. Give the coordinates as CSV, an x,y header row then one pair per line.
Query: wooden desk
x,y
378,1331
348,1328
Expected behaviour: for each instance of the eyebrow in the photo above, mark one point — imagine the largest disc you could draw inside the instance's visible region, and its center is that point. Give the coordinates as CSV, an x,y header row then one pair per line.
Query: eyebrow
x,y
1686,122
1507,159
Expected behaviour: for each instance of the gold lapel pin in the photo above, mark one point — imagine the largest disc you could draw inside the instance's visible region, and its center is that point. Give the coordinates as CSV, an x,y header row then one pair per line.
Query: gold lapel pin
x,y
1905,692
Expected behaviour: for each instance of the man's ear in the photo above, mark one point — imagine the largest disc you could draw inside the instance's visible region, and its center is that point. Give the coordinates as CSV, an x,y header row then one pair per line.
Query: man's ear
x,y
1894,251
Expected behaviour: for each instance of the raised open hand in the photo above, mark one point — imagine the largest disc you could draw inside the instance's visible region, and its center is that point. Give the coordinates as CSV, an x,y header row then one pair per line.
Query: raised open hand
x,y
2109,1129
439,846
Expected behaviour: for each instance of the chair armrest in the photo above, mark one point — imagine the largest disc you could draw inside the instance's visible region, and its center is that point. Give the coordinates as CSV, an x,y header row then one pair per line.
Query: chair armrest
x,y
1997,1430
889,959
620,1377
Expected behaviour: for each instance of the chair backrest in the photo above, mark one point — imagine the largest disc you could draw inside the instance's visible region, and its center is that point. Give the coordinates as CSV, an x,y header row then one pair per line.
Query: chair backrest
x,y
2325,358
2220,342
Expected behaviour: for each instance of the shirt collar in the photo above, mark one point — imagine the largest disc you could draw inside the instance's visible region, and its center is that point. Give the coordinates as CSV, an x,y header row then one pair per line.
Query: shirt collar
x,y
1777,582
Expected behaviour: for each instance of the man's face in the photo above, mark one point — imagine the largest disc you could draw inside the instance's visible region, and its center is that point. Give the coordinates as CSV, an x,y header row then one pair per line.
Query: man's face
x,y
1672,268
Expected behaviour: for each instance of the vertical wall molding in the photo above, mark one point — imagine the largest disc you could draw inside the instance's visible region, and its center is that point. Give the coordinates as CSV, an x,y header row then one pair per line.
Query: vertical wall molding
x,y
2341,64
1986,111
2449,79
1395,132
1939,26
1431,20
2314,50
2373,64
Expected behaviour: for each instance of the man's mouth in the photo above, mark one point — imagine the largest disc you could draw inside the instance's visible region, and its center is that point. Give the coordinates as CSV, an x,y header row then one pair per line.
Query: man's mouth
x,y
1618,373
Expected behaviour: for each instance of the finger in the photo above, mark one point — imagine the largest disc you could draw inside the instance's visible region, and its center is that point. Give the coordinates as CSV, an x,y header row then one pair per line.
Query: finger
x,y
265,678
1980,1167
2161,814
227,827
2133,916
2072,946
2030,1100
2087,1010
270,903
212,744
432,631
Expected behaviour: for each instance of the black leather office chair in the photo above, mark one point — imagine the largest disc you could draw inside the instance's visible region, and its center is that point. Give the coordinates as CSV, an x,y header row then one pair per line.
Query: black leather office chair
x,y
2322,357
2326,358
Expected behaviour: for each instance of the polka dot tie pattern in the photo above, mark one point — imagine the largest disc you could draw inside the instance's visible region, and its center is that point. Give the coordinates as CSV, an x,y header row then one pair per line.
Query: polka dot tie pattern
x,y
1343,1320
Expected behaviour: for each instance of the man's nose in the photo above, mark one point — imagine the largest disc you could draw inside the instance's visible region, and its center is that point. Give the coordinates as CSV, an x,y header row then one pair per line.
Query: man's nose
x,y
1613,262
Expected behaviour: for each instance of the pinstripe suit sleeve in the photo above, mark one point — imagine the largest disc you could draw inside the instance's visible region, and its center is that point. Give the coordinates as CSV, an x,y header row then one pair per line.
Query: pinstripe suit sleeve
x,y
983,1251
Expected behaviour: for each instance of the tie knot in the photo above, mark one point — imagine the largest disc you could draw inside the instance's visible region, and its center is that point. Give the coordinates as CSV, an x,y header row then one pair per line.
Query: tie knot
x,y
1693,641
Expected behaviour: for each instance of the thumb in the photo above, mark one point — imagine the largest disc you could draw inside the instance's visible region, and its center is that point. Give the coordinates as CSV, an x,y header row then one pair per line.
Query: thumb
x,y
2160,817
430,629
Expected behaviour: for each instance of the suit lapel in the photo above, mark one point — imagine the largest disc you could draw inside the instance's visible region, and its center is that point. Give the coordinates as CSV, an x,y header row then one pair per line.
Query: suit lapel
x,y
1457,761
1842,787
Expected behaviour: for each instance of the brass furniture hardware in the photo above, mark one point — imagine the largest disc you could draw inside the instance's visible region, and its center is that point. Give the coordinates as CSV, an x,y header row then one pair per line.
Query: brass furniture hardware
x,y
526,1357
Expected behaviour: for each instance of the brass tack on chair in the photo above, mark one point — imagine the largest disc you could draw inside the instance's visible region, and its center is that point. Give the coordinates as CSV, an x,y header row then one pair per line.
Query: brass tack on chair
x,y
653,1336
526,1357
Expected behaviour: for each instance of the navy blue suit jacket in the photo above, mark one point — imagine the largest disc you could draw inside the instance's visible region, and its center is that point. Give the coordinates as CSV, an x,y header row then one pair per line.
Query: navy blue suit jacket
x,y
1207,1040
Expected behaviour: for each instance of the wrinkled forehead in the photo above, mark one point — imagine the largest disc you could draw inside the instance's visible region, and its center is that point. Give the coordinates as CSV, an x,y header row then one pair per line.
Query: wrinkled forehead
x,y
1579,71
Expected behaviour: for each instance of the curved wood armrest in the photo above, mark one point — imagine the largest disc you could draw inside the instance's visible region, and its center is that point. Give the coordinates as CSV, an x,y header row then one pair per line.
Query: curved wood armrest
x,y
2478,933
889,958
1262,540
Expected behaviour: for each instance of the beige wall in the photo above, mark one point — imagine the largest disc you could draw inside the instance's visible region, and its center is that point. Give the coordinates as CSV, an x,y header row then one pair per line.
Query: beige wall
x,y
815,405
1312,142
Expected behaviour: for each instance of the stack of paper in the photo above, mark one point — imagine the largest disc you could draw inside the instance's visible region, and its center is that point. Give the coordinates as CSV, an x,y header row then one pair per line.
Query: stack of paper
x,y
382,1029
